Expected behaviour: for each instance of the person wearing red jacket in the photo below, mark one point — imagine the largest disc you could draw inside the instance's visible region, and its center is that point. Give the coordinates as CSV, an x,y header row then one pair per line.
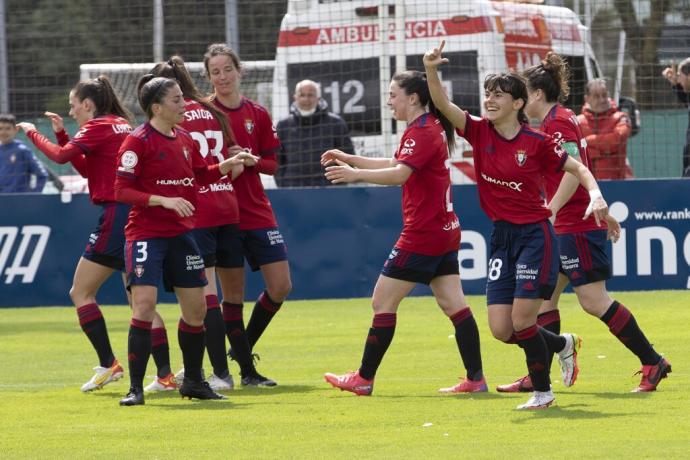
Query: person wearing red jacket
x,y
606,130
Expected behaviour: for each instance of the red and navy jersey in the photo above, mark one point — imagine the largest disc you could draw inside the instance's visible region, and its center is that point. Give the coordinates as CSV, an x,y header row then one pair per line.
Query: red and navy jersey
x,y
100,139
155,164
253,129
430,227
561,124
509,171
216,203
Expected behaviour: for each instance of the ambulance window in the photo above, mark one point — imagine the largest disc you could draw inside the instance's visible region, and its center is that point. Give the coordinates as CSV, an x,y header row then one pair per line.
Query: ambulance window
x,y
351,87
578,82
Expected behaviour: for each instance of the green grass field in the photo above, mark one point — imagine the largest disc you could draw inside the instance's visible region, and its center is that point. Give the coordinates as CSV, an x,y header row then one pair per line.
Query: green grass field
x,y
44,359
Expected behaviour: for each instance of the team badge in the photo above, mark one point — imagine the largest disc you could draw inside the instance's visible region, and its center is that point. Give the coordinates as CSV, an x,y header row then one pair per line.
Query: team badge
x,y
249,125
139,271
129,160
186,153
13,158
521,157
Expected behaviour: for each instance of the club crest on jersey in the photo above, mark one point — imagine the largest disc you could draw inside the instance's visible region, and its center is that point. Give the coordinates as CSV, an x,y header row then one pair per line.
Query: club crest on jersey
x,y
249,125
139,271
520,157
185,150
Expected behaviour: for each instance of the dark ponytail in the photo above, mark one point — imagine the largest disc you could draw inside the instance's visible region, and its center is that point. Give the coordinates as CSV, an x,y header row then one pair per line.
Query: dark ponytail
x,y
175,69
551,76
413,81
101,92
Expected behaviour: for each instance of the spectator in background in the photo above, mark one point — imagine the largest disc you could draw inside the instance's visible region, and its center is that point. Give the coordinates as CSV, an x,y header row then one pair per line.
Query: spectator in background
x,y
306,133
20,170
680,81
606,130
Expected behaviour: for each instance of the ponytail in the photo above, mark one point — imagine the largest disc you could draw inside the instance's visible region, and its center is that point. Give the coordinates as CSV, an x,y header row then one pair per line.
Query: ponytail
x,y
551,76
101,92
175,69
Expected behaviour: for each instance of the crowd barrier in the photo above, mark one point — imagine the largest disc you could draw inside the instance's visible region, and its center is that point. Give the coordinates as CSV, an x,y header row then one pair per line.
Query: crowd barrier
x,y
338,239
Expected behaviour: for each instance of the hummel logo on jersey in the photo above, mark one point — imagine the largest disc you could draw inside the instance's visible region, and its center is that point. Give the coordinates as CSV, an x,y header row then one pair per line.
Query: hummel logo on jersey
x,y
186,182
520,157
511,185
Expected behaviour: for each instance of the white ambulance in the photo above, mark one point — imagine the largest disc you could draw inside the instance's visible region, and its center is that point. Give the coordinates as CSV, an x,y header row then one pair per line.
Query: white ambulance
x,y
352,48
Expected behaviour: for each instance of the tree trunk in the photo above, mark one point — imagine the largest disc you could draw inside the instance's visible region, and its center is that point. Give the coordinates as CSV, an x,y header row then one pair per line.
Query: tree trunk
x,y
643,43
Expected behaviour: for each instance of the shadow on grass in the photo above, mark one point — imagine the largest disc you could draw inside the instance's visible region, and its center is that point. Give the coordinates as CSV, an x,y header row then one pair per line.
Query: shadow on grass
x,y
616,395
195,404
450,397
570,412
172,400
277,390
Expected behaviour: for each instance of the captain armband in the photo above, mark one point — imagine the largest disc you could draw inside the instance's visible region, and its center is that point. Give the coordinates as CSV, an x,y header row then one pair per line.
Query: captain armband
x,y
571,148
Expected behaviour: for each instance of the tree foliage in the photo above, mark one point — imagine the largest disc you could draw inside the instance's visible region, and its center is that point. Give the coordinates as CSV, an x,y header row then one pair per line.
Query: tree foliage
x,y
47,40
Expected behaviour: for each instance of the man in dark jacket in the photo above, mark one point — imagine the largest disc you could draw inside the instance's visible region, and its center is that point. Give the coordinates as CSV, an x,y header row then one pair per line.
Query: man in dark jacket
x,y
305,134
680,82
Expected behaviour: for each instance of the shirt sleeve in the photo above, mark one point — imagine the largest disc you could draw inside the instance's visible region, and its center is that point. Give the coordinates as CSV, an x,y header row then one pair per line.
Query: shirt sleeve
x,y
416,149
53,151
62,137
552,155
564,131
129,164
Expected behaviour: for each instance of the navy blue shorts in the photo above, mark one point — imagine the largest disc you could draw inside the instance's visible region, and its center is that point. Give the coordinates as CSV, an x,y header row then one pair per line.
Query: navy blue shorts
x,y
220,246
523,262
418,268
107,242
583,257
176,259
263,246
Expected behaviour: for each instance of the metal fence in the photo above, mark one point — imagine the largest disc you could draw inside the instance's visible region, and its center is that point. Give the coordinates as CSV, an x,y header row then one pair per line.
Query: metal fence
x,y
49,45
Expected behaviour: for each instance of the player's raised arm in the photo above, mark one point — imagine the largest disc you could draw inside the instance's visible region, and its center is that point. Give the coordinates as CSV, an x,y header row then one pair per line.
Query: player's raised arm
x,y
432,59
